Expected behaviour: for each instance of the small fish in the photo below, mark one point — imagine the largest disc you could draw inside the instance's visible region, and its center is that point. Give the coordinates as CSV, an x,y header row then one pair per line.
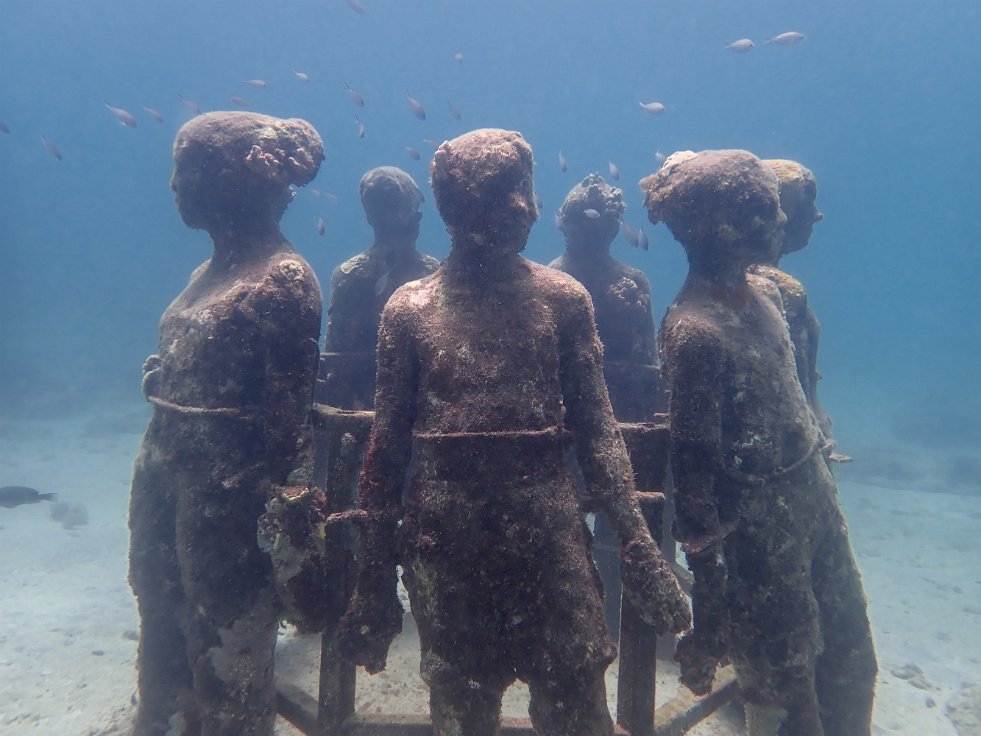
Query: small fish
x,y
240,101
563,165
558,220
539,203
153,114
458,57
355,96
642,240
360,125
11,496
417,109
630,234
190,105
321,226
740,46
413,153
331,197
381,285
430,142
302,76
614,172
591,213
654,108
454,111
123,116
787,39
356,6
3,127
660,158
53,151
257,83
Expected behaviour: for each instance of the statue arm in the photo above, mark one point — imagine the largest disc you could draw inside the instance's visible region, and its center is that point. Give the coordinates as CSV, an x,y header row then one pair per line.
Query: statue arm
x,y
374,614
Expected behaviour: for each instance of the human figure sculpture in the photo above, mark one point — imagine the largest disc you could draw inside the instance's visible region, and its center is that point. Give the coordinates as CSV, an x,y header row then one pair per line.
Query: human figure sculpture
x,y
798,190
361,285
776,587
486,369
232,387
625,322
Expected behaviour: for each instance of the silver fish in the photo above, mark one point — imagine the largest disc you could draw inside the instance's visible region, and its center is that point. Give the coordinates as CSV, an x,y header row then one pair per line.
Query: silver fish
x,y
153,114
240,101
381,285
654,108
563,165
355,96
538,202
642,240
356,6
660,158
413,153
51,148
430,142
417,109
11,496
787,39
321,226
361,128
331,197
458,57
630,234
123,116
302,76
3,127
740,46
190,105
257,83
614,172
591,213
558,220
454,111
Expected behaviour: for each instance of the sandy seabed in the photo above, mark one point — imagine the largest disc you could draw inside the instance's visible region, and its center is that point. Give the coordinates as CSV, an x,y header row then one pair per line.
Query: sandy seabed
x,y
68,623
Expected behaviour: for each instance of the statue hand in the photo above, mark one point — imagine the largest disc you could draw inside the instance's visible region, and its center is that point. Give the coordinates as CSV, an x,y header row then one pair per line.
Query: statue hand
x,y
652,588
368,628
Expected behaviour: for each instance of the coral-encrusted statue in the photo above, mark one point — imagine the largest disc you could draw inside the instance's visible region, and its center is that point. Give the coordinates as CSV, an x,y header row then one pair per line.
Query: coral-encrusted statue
x,y
590,220
798,191
232,388
486,370
776,585
361,285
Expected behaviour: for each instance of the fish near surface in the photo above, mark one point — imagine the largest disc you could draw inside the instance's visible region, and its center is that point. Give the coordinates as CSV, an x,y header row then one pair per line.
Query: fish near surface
x,y
614,172
740,46
154,114
302,76
51,148
257,83
787,39
417,109
123,116
563,165
413,153
11,496
355,96
361,128
190,104
654,108
321,226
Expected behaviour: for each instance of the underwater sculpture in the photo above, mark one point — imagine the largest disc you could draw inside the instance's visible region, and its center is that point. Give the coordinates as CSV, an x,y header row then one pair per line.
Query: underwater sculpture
x,y
361,285
625,322
776,585
486,370
798,190
232,388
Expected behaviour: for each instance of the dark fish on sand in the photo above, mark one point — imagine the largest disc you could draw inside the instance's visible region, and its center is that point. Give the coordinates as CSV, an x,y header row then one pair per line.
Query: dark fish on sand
x,y
3,127
417,109
563,166
787,39
355,96
190,105
11,496
123,116
51,148
153,114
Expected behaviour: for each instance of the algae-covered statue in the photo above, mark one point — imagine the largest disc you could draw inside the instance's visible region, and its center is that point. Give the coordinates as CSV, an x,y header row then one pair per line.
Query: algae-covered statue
x,y
486,370
776,585
232,387
798,190
590,219
361,285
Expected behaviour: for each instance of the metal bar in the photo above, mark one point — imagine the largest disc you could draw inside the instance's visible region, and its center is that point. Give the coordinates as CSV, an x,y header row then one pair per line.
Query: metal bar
x,y
677,716
296,706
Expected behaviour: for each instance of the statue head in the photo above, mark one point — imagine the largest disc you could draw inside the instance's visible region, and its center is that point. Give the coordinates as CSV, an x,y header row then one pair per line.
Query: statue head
x,y
391,201
798,190
590,215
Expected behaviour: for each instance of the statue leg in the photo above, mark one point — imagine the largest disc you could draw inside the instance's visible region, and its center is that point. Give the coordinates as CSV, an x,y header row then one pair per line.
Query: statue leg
x,y
231,612
846,668
572,707
462,710
163,673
